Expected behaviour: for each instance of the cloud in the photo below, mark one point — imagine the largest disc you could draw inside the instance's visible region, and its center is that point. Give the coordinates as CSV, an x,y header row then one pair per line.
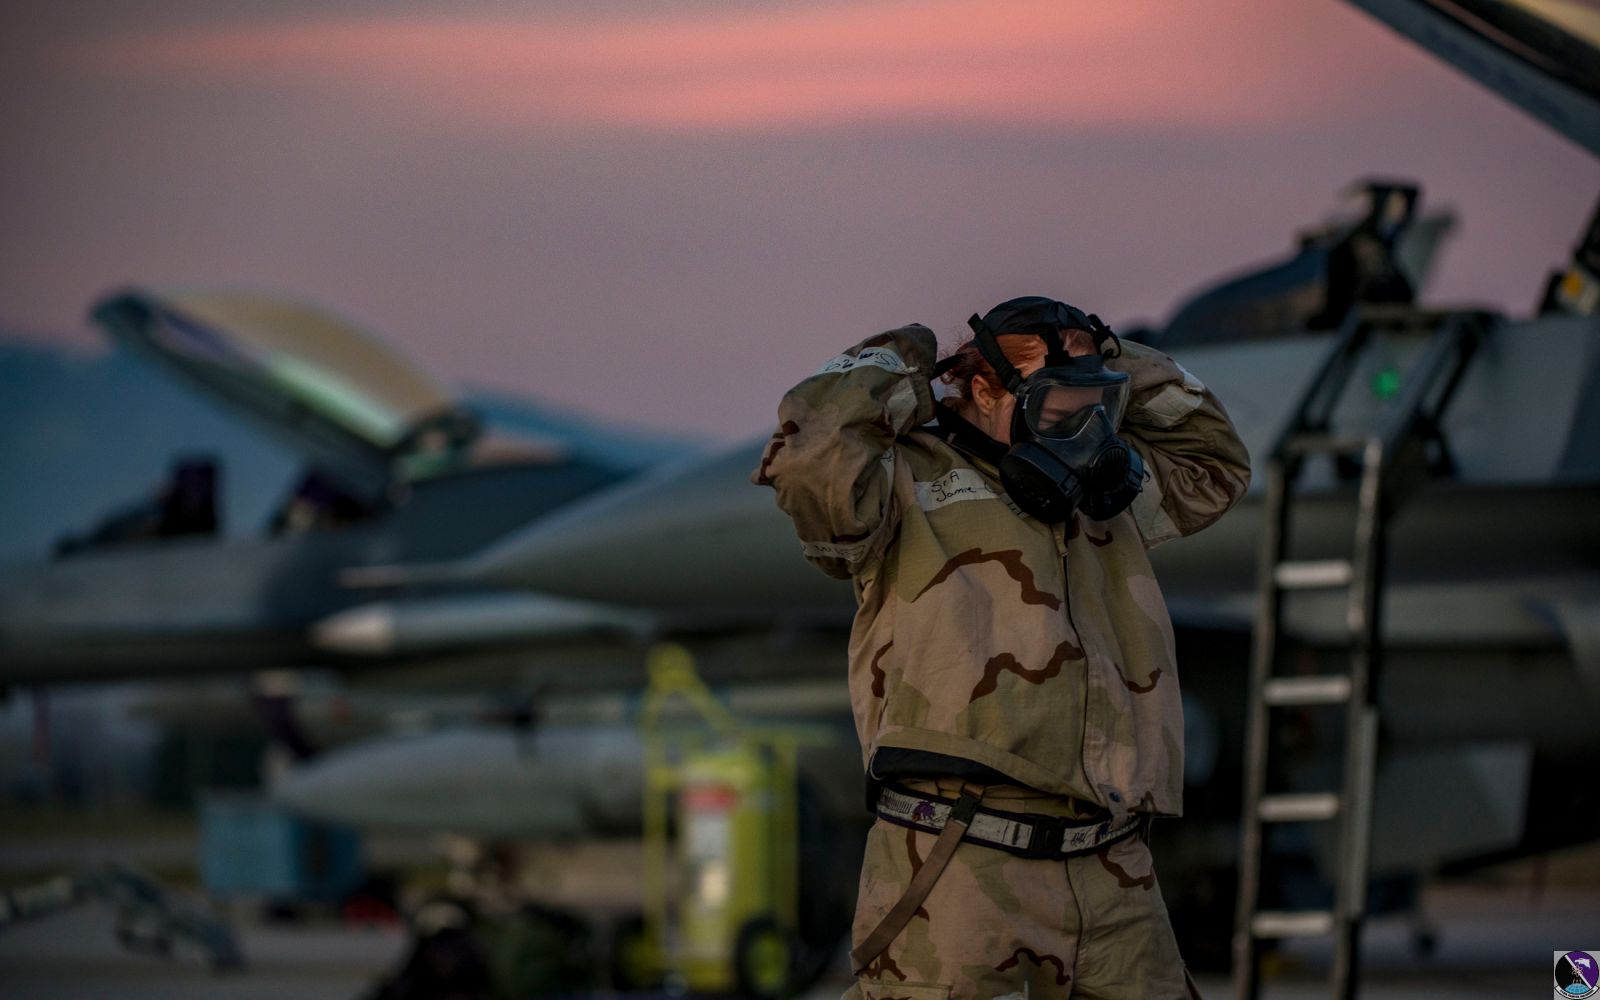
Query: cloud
x,y
1039,63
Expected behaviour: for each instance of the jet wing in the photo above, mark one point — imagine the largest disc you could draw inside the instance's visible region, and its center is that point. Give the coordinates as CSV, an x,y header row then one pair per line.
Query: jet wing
x,y
331,391
1541,55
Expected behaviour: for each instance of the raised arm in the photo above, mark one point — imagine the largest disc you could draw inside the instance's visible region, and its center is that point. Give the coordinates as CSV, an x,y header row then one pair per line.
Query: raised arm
x,y
831,458
1198,466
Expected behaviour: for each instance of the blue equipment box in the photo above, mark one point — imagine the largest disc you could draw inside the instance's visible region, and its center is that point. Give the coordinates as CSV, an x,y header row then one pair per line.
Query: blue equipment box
x,y
249,847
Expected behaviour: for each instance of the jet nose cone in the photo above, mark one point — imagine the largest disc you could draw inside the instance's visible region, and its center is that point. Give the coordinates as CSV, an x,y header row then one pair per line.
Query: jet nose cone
x,y
697,535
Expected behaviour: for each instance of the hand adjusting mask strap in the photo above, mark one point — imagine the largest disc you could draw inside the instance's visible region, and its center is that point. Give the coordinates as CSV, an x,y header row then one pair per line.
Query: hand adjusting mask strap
x,y
1065,454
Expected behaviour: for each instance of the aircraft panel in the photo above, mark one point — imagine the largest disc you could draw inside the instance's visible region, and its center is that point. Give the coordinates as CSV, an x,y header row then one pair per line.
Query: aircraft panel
x,y
1539,54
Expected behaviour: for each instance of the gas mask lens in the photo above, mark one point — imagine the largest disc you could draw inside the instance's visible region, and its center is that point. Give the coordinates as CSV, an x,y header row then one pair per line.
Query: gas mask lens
x,y
1061,408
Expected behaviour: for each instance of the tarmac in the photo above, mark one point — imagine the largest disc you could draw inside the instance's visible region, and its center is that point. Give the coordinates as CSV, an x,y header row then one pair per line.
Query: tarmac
x,y
1492,942
1495,930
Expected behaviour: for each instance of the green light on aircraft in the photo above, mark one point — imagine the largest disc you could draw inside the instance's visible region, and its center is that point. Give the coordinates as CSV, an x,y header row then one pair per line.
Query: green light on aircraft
x,y
1386,383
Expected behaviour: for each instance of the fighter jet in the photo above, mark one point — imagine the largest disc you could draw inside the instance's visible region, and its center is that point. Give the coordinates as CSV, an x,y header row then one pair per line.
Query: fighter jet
x,y
395,468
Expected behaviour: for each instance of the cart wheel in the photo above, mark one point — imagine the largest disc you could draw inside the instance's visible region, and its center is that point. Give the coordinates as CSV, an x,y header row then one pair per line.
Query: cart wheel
x,y
765,959
634,963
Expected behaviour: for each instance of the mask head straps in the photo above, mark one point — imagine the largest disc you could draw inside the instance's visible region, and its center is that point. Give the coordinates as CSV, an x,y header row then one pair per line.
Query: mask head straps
x,y
1042,317
1030,314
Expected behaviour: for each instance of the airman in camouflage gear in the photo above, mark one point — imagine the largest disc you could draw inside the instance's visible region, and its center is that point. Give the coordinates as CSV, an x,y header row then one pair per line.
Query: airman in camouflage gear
x,y
1039,652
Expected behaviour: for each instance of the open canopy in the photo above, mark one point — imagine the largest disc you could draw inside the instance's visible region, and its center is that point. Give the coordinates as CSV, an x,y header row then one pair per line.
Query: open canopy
x,y
333,391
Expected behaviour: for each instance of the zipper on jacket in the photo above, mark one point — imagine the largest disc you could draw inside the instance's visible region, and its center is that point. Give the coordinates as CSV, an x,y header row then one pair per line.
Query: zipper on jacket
x,y
1066,598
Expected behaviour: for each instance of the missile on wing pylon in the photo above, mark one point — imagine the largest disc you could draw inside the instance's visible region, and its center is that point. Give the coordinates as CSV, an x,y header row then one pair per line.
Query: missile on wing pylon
x,y
430,624
477,781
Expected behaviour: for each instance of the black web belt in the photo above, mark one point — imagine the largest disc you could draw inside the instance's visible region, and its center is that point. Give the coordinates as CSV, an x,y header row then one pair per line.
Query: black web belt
x,y
1027,835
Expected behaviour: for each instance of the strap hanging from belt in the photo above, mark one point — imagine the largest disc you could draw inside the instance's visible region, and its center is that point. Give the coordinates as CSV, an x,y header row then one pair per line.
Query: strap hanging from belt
x,y
922,882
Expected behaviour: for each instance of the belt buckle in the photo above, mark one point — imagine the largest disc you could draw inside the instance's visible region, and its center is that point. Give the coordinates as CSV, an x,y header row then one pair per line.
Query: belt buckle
x,y
965,808
1047,837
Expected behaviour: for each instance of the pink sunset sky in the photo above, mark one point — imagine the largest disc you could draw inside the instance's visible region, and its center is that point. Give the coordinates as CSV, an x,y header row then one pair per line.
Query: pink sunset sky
x,y
669,211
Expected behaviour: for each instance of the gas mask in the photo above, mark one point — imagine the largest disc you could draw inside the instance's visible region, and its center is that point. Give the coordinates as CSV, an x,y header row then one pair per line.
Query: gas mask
x,y
1065,454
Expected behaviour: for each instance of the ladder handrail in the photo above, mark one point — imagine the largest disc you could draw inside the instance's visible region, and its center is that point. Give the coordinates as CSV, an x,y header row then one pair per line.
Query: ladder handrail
x,y
1438,374
1333,371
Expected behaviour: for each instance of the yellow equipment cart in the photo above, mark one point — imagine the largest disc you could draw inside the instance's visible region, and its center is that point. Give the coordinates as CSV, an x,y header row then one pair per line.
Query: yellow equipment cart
x,y
720,839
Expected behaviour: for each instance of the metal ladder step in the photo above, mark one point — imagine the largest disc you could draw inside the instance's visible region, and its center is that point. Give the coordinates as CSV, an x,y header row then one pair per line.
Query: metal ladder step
x,y
1317,574
1292,923
1298,808
1332,689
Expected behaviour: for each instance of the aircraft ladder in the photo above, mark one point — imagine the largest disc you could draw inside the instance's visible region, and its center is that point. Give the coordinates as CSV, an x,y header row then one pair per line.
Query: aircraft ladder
x,y
1392,462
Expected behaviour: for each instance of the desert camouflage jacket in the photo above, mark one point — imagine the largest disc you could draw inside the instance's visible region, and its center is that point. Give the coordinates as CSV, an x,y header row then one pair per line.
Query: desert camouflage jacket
x,y
1043,652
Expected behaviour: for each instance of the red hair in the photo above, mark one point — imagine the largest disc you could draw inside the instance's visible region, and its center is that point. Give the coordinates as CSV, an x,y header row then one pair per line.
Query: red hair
x,y
1019,350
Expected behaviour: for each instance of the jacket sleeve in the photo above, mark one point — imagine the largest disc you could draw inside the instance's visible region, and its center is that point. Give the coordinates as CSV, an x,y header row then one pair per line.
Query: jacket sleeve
x,y
1197,466
831,459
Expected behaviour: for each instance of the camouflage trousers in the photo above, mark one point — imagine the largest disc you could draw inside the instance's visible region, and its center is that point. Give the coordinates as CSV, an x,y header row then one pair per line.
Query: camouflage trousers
x,y
1000,927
